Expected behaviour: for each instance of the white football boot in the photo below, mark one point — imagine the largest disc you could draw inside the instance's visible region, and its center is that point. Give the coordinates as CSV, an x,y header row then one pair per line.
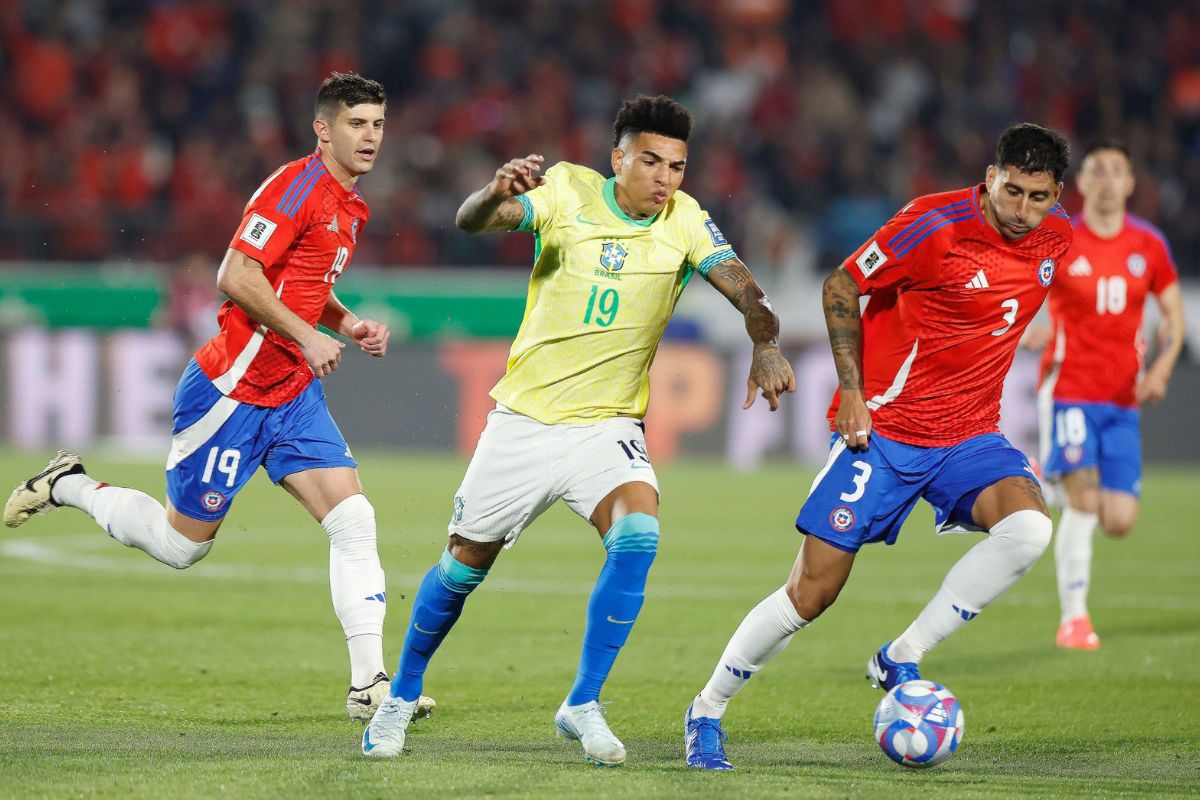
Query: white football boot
x,y
32,496
361,704
384,735
585,724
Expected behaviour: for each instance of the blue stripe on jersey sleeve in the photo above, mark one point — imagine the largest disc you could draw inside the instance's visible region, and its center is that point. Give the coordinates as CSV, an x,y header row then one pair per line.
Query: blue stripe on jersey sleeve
x,y
914,229
304,192
940,221
526,223
724,254
295,185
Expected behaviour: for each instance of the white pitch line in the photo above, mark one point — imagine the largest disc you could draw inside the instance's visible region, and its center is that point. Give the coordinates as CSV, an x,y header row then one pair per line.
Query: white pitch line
x,y
51,552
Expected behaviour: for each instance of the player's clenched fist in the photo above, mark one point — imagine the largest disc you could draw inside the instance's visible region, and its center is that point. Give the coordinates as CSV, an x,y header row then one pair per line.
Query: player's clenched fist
x,y
371,337
518,176
323,353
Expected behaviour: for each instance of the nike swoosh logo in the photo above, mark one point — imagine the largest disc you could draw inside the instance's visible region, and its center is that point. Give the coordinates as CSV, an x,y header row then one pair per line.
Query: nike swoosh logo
x,y
621,621
364,701
367,745
422,630
579,218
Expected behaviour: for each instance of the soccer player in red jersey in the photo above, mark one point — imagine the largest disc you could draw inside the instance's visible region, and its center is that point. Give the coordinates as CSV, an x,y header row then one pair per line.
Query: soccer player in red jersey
x,y
249,397
1092,376
951,282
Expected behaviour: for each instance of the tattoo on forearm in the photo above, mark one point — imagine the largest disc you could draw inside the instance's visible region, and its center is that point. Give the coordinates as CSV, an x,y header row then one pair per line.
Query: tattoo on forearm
x,y
482,213
732,279
507,216
844,322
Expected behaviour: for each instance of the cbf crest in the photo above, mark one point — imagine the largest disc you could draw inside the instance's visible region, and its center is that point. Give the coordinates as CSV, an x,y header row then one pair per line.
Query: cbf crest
x,y
1045,272
612,256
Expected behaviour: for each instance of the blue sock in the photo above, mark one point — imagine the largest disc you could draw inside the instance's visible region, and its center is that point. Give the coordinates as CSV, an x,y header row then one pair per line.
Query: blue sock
x,y
436,607
615,602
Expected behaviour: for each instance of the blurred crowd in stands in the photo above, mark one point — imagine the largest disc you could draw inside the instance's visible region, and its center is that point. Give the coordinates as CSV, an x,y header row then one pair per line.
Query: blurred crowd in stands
x,y
137,130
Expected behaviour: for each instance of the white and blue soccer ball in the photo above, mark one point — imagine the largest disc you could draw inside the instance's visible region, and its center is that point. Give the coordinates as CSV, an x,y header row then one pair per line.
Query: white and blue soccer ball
x,y
919,724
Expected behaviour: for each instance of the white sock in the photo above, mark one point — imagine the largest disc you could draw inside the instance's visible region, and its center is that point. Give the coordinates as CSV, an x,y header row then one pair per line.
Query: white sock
x,y
356,583
1012,547
74,490
763,634
366,658
1073,560
133,518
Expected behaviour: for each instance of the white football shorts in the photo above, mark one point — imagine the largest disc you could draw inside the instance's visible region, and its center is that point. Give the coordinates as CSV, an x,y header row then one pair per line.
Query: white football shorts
x,y
522,466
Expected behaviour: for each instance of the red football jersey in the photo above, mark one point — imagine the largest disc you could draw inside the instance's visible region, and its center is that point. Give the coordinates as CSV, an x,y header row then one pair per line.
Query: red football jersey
x,y
948,300
1096,312
301,225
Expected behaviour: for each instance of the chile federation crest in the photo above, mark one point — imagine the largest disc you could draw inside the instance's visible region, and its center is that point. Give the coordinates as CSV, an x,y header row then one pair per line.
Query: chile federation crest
x,y
1045,272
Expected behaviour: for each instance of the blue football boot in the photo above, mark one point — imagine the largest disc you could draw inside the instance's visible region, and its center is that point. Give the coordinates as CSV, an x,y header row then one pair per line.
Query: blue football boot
x,y
704,741
883,673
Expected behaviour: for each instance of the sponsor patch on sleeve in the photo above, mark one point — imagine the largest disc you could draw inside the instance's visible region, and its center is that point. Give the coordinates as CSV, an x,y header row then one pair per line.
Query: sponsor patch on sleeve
x,y
258,231
871,259
718,238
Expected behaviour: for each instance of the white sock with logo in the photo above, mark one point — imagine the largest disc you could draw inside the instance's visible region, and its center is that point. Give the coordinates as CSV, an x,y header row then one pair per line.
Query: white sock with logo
x,y
1012,547
133,518
356,583
1073,560
763,634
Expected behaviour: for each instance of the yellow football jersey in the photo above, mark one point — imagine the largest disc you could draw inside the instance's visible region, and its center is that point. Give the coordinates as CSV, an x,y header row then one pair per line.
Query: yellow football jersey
x,y
602,290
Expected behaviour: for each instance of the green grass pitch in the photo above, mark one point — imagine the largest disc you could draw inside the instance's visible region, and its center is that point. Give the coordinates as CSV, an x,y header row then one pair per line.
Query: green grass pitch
x,y
124,678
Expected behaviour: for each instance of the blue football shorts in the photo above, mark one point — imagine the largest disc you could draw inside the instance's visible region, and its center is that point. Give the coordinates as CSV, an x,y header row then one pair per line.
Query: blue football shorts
x,y
1101,435
864,497
218,443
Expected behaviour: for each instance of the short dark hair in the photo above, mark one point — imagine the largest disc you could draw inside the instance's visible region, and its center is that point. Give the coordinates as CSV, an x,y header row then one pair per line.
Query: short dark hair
x,y
1032,148
645,114
1107,143
348,89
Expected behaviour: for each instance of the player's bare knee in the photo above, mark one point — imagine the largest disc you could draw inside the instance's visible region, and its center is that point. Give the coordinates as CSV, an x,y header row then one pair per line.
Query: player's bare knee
x,y
1117,527
1083,491
480,555
810,597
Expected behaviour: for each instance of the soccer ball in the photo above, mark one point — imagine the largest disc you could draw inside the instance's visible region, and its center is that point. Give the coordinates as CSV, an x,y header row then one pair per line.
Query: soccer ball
x,y
919,724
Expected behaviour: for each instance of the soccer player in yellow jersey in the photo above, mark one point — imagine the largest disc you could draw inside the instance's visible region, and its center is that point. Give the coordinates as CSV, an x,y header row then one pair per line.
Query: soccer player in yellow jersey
x,y
611,258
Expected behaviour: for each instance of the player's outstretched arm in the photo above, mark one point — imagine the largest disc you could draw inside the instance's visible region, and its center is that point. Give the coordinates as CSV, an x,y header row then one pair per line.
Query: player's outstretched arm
x,y
769,370
370,336
843,319
1153,386
242,280
495,207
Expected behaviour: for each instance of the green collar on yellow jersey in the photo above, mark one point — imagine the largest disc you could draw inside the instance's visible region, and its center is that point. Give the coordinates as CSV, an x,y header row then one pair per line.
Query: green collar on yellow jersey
x,y
610,199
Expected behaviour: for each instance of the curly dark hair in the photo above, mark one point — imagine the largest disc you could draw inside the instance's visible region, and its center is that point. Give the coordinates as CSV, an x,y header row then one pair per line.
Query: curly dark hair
x,y
348,89
645,114
1032,148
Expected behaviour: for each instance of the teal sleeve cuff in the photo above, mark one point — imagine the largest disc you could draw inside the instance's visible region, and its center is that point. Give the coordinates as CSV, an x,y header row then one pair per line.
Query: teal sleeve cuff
x,y
527,220
721,255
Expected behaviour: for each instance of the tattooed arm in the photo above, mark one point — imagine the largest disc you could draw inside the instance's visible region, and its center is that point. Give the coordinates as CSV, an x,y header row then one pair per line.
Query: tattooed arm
x,y
839,297
769,370
495,207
